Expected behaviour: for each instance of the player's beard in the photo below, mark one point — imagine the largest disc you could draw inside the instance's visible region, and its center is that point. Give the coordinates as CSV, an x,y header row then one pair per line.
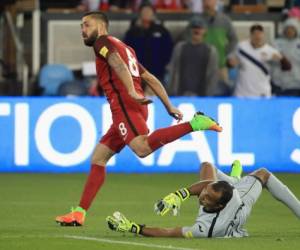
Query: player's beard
x,y
89,41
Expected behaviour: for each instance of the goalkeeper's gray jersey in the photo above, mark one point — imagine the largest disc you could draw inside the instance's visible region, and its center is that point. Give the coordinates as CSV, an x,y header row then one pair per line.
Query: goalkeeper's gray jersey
x,y
230,220
227,222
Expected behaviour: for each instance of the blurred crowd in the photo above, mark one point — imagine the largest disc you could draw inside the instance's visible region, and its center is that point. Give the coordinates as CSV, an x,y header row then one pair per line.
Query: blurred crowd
x,y
207,59
133,5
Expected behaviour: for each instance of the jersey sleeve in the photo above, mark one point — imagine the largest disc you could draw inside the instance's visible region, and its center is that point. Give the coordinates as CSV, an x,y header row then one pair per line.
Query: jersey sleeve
x,y
198,230
103,47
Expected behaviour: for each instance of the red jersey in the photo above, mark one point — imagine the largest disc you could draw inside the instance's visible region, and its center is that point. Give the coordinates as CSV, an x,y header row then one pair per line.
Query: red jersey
x,y
113,87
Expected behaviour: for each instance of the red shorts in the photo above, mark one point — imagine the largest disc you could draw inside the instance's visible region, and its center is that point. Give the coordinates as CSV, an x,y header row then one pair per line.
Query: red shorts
x,y
126,126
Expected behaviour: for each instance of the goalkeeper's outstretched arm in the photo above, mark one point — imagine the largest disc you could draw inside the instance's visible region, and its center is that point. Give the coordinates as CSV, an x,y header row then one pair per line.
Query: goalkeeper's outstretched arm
x,y
171,202
119,223
161,232
194,189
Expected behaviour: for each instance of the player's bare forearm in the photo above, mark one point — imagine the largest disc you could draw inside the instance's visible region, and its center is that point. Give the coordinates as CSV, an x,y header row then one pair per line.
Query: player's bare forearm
x,y
157,88
122,71
162,232
197,188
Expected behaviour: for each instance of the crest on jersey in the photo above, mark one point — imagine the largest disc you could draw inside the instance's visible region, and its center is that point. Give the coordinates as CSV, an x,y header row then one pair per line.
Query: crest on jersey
x,y
103,51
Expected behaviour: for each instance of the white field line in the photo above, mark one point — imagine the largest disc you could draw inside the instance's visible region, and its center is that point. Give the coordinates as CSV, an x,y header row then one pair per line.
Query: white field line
x,y
115,242
126,242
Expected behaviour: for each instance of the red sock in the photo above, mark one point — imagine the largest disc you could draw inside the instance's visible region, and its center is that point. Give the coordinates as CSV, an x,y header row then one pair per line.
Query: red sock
x,y
163,136
94,182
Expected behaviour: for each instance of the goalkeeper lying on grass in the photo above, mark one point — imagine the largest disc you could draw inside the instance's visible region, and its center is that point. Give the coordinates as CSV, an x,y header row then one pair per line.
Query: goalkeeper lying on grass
x,y
225,204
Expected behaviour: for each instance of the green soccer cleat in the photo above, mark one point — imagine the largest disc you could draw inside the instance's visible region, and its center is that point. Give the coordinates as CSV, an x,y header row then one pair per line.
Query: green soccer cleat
x,y
236,169
119,223
203,122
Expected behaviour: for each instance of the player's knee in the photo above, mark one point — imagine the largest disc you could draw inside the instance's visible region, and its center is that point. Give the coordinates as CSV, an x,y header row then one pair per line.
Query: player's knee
x,y
142,152
100,159
206,165
263,174
263,171
140,146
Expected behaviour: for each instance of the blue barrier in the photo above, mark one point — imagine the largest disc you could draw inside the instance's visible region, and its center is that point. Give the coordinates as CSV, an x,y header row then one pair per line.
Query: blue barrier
x,y
59,134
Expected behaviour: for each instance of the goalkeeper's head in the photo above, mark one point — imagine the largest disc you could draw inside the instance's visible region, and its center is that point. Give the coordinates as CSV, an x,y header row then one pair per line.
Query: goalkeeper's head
x,y
93,25
216,195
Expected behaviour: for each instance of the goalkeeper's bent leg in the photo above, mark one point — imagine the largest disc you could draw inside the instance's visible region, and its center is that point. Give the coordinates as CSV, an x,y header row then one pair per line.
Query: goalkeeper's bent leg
x,y
207,172
278,190
282,193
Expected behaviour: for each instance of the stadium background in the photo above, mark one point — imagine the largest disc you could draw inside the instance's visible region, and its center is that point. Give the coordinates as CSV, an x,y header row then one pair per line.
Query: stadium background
x,y
261,132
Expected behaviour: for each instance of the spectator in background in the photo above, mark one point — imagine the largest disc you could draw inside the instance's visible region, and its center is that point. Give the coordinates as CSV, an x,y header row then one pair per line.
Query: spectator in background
x,y
194,64
221,34
91,5
174,5
107,5
295,11
195,6
57,4
289,45
121,5
291,9
253,57
151,41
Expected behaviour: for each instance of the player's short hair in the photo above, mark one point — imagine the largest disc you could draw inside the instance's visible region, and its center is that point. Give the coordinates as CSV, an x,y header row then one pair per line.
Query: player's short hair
x,y
255,27
226,189
99,16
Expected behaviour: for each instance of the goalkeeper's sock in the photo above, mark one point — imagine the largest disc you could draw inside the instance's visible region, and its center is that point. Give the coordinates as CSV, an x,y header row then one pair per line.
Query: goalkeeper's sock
x,y
282,193
94,182
163,136
236,169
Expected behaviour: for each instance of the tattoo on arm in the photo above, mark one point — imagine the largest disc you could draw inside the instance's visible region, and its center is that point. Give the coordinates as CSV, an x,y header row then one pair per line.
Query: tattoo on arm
x,y
116,62
122,71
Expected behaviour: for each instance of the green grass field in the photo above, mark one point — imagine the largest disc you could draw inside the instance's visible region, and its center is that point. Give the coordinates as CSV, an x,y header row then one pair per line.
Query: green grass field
x,y
30,202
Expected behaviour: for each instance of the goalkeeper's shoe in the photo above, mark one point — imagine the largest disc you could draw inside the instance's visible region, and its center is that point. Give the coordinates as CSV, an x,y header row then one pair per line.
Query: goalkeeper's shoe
x,y
203,122
236,169
119,223
75,218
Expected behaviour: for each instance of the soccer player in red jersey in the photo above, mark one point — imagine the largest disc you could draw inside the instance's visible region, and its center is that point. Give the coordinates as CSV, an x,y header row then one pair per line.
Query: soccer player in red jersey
x,y
120,74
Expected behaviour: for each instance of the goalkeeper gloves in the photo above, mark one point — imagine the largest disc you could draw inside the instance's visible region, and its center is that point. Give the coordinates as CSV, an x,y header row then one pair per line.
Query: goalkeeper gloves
x,y
171,202
118,222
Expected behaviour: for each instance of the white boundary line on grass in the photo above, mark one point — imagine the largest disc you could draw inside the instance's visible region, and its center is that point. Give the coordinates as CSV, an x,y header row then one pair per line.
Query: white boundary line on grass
x,y
126,242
